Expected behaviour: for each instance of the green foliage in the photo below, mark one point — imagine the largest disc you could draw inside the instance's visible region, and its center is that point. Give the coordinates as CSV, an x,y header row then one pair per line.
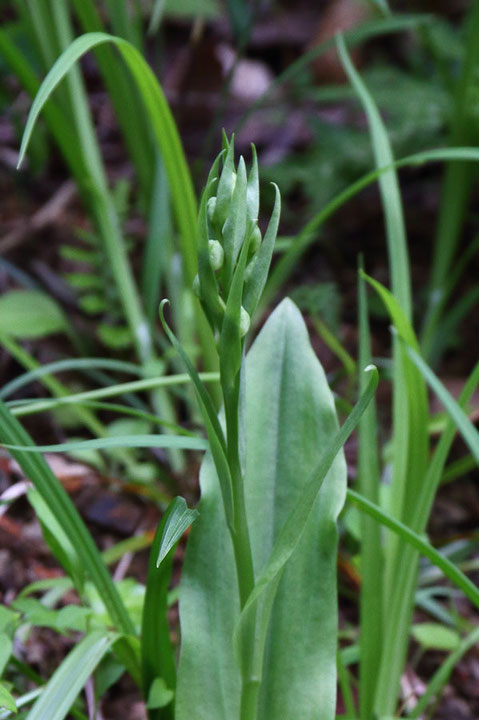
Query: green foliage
x,y
30,314
258,607
435,636
305,411
67,681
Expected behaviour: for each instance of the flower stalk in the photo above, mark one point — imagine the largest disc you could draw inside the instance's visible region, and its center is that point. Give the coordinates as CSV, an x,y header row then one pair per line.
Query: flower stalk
x,y
233,264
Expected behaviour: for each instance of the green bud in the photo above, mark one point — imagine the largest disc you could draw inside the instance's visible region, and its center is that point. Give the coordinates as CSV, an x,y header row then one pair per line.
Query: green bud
x,y
216,254
210,209
245,322
255,241
234,175
196,286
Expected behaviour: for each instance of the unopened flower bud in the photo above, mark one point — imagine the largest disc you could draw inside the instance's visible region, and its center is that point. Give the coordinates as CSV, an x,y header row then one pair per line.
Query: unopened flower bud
x,y
233,182
196,286
217,254
245,322
210,209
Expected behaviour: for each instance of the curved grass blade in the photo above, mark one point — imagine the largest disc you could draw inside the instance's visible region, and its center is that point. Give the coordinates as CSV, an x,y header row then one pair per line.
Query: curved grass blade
x,y
67,681
163,125
122,388
369,29
68,364
418,543
286,264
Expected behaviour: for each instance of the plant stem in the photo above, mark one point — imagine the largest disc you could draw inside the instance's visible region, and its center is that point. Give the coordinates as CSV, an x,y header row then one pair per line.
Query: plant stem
x,y
242,550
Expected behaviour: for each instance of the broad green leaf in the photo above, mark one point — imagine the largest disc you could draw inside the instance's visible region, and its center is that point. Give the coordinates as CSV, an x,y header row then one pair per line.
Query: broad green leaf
x,y
5,651
159,695
7,700
30,314
433,636
67,681
70,617
290,420
8,620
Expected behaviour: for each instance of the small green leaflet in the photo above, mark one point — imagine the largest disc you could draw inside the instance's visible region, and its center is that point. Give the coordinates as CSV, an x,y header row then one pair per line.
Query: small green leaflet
x,y
179,519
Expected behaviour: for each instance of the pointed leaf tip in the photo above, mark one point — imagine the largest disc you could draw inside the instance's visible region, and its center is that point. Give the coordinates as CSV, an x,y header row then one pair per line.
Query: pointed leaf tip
x,y
178,519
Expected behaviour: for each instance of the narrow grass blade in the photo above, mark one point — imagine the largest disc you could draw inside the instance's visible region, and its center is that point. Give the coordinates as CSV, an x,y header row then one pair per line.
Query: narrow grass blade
x,y
463,424
456,576
457,184
355,36
53,384
410,457
134,125
388,184
67,681
156,16
98,194
40,474
158,660
371,599
68,364
114,390
213,428
163,127
138,441
286,264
